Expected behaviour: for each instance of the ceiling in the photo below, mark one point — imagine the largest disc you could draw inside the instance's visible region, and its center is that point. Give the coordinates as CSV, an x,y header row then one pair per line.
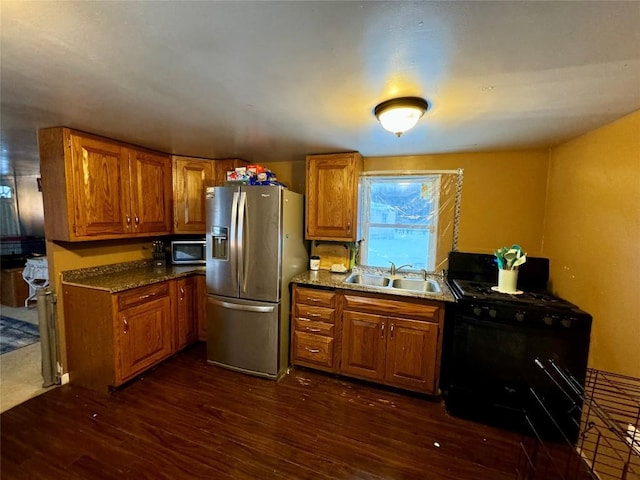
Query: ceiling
x,y
269,81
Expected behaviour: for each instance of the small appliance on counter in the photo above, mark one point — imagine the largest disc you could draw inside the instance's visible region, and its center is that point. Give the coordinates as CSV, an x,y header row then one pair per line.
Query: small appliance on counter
x,y
188,252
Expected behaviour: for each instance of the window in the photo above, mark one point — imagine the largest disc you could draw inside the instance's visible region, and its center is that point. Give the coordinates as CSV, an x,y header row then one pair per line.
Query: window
x,y
9,225
399,220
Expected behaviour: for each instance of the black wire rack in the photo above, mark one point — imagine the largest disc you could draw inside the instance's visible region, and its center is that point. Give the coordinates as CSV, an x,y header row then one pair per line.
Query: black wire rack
x,y
596,432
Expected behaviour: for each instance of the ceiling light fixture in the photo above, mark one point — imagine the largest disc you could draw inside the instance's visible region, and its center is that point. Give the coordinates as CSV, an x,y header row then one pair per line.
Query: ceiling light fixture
x,y
400,114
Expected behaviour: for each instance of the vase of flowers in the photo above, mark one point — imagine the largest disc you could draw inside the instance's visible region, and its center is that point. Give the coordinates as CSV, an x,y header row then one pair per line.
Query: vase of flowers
x,y
509,260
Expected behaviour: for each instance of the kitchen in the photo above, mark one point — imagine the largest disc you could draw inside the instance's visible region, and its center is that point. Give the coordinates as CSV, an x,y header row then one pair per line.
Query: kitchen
x,y
555,208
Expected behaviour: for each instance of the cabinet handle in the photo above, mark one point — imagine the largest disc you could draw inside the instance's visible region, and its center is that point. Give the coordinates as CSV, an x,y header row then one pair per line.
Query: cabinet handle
x,y
128,220
126,325
181,293
309,329
312,350
348,226
314,299
313,314
382,330
144,297
392,326
136,219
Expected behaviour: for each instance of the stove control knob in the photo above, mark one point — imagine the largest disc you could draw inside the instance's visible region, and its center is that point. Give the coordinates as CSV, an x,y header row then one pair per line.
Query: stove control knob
x,y
477,311
547,320
566,322
519,316
493,313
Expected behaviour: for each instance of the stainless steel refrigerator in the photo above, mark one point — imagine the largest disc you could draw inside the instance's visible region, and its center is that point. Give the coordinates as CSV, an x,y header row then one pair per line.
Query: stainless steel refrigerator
x,y
254,247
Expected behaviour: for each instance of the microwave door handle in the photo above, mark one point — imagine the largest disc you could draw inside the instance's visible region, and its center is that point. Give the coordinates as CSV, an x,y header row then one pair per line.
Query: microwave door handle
x,y
243,232
233,244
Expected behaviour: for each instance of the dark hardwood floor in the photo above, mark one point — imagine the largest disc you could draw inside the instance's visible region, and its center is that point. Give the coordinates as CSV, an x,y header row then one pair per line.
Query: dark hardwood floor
x,y
187,419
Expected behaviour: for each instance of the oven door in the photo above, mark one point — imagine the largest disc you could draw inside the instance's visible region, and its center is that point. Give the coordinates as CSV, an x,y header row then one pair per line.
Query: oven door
x,y
492,368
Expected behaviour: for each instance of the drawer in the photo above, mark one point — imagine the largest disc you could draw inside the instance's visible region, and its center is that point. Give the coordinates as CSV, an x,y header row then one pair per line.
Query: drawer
x,y
140,295
313,348
312,296
314,328
393,308
311,312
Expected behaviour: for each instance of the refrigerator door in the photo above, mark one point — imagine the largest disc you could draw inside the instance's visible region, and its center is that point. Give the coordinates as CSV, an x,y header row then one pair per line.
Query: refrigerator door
x,y
260,238
222,225
243,335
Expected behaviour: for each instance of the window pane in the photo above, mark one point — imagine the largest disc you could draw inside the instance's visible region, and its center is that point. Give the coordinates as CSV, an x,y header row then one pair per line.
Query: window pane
x,y
397,245
400,201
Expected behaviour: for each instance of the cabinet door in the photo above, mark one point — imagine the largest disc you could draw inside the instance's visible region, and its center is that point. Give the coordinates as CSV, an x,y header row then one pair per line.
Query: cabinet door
x,y
411,354
363,344
151,193
100,187
332,196
145,334
201,302
190,176
187,312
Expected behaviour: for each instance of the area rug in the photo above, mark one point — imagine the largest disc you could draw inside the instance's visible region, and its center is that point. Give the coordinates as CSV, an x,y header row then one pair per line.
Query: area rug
x,y
16,334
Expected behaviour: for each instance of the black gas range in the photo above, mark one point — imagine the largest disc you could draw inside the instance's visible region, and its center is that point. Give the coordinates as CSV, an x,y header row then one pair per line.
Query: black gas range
x,y
493,340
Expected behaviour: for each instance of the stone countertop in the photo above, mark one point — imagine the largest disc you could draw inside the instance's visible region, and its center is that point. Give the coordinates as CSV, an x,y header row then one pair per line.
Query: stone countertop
x,y
124,276
325,278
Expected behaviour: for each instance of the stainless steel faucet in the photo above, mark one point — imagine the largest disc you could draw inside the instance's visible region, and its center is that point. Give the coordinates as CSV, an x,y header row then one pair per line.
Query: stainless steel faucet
x,y
424,274
394,269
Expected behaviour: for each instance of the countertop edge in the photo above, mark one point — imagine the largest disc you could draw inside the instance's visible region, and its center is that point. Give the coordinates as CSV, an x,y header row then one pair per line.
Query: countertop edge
x,y
328,279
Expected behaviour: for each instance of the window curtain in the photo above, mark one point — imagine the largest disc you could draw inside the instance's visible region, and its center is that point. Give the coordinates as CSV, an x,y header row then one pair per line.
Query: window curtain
x,y
9,225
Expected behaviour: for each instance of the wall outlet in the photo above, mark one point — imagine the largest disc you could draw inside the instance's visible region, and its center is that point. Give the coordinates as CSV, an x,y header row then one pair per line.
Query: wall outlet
x,y
64,379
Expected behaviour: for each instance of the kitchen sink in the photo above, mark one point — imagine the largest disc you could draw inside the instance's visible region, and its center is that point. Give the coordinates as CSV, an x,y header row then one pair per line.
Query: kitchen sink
x,y
369,280
416,285
387,283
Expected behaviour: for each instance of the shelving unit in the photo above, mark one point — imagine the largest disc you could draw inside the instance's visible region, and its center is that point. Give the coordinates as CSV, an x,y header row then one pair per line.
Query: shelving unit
x,y
606,407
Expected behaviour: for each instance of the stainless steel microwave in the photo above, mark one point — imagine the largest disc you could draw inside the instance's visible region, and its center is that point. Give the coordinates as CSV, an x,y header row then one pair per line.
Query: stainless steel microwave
x,y
188,252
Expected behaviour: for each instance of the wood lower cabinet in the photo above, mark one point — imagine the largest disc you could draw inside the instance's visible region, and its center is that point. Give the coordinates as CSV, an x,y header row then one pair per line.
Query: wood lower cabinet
x,y
187,310
95,188
332,196
392,341
111,338
314,334
190,177
144,333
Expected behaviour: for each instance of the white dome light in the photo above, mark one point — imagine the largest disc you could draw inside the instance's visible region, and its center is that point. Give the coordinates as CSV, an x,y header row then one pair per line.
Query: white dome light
x,y
400,114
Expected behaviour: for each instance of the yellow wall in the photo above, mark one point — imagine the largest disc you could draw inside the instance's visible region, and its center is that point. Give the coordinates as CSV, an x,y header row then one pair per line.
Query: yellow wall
x,y
592,237
502,195
70,256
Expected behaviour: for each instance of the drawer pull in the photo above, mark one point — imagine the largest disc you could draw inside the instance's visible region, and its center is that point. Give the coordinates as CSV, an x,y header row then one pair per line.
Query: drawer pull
x,y
126,325
313,314
144,297
312,350
314,299
309,329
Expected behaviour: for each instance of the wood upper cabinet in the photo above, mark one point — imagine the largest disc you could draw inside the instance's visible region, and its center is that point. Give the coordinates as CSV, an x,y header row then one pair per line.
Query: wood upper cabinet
x,y
332,196
187,315
151,193
392,341
223,165
190,177
95,188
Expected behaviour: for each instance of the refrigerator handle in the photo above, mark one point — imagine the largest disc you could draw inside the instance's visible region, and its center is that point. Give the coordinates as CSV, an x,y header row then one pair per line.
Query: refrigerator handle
x,y
244,308
233,243
242,233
